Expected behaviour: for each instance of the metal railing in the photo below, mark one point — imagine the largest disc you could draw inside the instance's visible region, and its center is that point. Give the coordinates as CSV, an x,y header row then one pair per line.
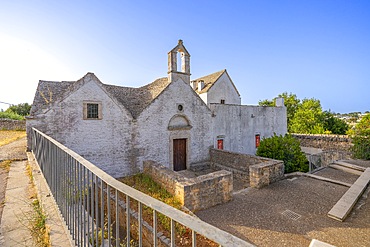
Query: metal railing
x,y
98,209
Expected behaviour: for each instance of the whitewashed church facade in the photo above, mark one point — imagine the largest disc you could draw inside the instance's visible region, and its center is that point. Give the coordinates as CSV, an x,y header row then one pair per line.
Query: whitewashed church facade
x,y
173,120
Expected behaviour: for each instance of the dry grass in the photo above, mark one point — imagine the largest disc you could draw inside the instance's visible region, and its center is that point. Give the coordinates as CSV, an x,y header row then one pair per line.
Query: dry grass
x,y
8,136
40,231
5,164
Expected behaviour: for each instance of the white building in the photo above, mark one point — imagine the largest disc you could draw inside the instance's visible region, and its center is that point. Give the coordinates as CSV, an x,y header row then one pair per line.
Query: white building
x,y
173,121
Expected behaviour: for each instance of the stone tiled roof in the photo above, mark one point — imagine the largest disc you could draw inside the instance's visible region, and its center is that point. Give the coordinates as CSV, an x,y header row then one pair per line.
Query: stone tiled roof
x,y
48,92
135,100
209,80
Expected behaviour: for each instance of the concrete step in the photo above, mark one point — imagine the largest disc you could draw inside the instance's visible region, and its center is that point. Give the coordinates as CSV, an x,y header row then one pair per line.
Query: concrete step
x,y
346,169
345,204
294,174
348,165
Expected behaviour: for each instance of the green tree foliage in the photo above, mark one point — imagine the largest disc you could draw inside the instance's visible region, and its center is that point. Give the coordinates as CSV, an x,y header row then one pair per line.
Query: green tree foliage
x,y
22,109
292,104
308,118
334,125
266,102
285,148
361,139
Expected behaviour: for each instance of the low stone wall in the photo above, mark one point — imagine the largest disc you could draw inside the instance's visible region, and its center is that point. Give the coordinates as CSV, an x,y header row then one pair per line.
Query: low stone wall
x,y
266,173
254,170
325,142
194,193
10,124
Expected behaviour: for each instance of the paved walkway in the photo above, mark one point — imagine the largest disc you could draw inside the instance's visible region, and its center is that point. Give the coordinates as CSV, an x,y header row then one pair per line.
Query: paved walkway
x,y
14,223
14,230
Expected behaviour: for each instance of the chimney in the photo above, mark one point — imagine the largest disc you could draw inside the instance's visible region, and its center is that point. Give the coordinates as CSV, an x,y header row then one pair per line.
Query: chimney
x,y
200,85
279,102
193,85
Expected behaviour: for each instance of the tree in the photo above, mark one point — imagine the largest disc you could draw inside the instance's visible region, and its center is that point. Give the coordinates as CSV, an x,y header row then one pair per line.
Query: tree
x,y
308,118
334,125
266,102
285,148
22,109
361,139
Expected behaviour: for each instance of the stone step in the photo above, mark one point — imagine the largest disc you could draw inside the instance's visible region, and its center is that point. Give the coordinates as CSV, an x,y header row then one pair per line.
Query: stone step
x,y
348,165
345,204
346,169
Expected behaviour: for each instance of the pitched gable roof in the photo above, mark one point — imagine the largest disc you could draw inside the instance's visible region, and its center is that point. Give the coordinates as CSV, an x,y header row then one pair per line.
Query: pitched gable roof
x,y
210,80
135,100
48,92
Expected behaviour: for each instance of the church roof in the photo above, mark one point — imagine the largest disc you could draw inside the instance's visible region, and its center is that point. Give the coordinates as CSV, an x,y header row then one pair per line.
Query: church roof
x,y
210,80
135,100
48,92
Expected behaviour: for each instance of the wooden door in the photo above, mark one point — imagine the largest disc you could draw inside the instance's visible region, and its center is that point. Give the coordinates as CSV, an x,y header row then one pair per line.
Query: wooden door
x,y
179,154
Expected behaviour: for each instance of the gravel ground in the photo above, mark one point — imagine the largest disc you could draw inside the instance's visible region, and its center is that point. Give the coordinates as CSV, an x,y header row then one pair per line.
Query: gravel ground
x,y
260,217
14,150
335,174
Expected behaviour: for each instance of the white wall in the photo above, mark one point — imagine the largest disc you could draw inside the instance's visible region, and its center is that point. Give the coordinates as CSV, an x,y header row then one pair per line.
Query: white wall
x,y
239,124
154,140
104,142
223,89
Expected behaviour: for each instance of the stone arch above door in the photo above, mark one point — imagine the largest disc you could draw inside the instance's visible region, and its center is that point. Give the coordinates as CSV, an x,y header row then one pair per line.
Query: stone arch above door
x,y
179,122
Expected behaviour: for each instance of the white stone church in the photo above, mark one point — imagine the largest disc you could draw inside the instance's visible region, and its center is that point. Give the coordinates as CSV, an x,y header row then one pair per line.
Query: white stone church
x,y
173,120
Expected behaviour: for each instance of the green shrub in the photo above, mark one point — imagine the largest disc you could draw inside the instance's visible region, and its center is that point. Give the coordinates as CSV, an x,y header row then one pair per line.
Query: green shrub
x,y
361,147
11,115
361,139
285,148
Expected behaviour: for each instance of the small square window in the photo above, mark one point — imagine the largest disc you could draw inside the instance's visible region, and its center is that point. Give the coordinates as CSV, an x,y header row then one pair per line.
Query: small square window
x,y
92,110
222,101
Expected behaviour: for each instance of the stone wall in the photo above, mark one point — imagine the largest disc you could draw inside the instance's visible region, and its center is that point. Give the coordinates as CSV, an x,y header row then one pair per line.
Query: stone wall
x,y
325,142
194,193
10,124
238,125
154,140
266,173
254,170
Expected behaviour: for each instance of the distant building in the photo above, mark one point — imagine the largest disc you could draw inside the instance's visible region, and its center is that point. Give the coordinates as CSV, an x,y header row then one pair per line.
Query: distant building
x,y
173,120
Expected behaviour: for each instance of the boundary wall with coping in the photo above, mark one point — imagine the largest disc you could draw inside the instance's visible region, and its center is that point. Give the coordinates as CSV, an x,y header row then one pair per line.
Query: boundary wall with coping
x,y
253,170
194,193
10,124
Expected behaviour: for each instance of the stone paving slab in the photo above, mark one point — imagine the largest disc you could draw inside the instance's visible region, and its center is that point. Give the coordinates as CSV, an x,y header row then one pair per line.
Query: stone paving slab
x,y
351,166
345,169
317,243
335,174
345,204
13,229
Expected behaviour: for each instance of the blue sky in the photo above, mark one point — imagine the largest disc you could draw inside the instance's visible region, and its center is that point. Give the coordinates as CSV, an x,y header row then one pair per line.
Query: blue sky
x,y
316,49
